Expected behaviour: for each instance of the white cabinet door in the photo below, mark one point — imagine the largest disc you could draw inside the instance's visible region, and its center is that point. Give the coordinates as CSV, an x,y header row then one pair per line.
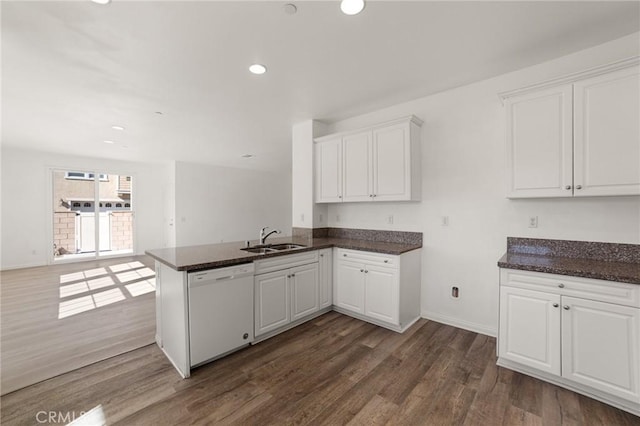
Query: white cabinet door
x,y
391,150
600,346
325,287
530,328
381,294
272,301
350,286
304,290
540,143
328,167
607,134
356,154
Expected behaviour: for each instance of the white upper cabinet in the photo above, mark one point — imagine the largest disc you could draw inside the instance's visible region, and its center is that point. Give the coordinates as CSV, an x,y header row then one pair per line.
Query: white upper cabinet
x,y
380,163
328,166
580,138
357,167
540,148
607,134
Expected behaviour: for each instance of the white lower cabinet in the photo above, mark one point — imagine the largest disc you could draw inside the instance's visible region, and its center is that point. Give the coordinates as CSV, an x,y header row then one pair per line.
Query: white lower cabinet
x,y
272,301
325,270
288,294
581,333
382,289
304,290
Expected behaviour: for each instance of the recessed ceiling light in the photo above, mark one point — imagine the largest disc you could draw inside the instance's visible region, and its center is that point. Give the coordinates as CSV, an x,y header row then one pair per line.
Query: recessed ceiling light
x,y
258,69
290,9
101,1
247,155
117,127
110,142
351,7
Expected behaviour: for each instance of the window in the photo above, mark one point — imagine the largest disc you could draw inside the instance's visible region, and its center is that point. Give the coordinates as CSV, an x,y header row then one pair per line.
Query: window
x,y
87,225
84,176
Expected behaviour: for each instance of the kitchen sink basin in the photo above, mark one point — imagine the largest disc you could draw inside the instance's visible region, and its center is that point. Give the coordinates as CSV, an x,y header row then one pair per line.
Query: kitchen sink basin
x,y
272,248
281,247
259,250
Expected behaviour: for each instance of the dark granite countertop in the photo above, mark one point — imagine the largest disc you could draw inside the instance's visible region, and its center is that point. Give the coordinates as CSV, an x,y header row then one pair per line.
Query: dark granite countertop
x,y
193,258
603,261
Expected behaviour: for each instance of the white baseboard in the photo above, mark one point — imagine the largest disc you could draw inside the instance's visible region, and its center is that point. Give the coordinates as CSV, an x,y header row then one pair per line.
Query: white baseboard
x,y
466,325
26,265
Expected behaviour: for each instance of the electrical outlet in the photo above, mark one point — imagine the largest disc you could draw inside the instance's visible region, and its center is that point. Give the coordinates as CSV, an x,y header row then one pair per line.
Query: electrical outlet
x,y
533,222
390,219
445,221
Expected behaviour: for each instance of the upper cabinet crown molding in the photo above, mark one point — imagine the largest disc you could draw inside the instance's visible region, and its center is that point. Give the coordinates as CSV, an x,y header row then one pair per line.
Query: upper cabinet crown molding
x,y
377,163
411,118
572,78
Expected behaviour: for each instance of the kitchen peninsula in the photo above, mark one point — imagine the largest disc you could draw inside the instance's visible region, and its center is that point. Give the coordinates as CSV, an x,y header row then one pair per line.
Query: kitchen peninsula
x,y
214,299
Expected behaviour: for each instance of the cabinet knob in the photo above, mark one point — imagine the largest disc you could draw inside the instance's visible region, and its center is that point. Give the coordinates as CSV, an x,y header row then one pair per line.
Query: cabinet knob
x,y
339,196
366,272
288,276
344,255
386,261
245,336
370,195
361,270
567,187
322,255
555,305
293,275
578,186
561,285
566,307
374,195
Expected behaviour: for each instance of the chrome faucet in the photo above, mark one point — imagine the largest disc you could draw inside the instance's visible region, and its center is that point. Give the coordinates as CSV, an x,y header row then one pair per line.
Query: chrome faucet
x,y
264,236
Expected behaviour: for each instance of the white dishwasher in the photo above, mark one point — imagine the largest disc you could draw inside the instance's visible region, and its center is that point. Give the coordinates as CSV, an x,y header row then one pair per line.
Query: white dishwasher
x,y
220,311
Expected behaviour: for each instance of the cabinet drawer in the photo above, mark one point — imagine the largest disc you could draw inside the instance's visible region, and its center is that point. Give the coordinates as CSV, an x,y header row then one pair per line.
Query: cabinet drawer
x,y
600,290
285,262
369,258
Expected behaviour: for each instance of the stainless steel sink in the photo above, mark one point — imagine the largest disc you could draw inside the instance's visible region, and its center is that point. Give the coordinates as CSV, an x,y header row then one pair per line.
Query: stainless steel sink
x,y
272,248
281,247
259,250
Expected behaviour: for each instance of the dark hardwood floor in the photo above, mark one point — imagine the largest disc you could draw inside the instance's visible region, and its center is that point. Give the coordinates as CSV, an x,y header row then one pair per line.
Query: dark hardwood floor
x,y
333,370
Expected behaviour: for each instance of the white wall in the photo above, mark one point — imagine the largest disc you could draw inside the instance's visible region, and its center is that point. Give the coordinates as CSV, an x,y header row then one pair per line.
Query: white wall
x,y
305,213
218,204
26,202
463,168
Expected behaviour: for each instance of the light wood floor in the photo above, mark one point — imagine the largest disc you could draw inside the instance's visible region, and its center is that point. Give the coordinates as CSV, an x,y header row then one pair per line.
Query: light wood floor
x,y
333,370
55,319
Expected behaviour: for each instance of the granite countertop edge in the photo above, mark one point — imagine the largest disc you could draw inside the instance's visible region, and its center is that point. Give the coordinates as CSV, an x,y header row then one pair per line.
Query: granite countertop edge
x,y
219,260
584,268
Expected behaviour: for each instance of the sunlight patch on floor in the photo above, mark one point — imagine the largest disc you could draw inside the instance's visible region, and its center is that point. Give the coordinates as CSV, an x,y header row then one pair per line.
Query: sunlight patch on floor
x,y
135,277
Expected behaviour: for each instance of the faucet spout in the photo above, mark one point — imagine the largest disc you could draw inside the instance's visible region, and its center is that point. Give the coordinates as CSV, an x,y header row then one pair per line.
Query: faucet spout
x,y
262,238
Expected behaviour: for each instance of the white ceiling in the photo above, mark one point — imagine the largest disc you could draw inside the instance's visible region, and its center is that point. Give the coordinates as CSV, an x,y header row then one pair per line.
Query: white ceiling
x,y
71,70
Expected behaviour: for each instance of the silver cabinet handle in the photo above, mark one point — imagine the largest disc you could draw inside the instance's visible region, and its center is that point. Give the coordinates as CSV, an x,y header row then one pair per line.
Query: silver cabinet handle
x,y
561,285
567,187
566,307
578,186
555,305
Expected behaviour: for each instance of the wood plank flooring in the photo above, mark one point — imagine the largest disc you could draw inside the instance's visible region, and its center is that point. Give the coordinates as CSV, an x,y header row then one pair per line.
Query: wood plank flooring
x,y
333,370
55,319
